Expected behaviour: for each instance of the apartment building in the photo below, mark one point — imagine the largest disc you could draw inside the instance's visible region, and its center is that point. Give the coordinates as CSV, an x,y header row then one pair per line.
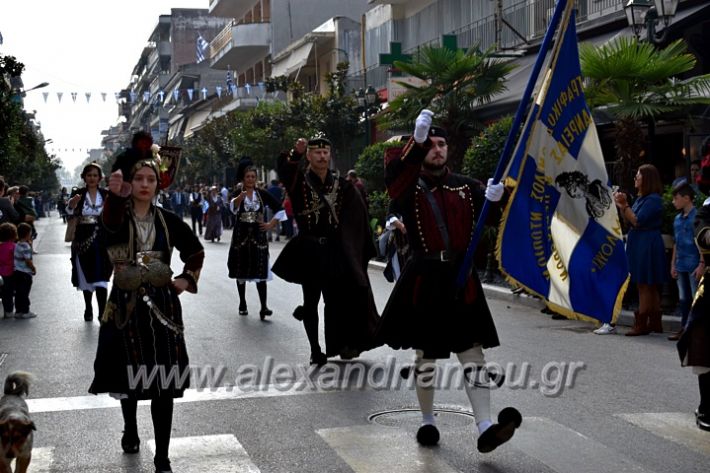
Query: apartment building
x,y
515,29
170,46
262,30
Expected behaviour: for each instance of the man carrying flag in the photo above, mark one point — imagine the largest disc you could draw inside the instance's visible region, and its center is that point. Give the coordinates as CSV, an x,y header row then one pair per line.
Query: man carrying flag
x,y
560,236
426,311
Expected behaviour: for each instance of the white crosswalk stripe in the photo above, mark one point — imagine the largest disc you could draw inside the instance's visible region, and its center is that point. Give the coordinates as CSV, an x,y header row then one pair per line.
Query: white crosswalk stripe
x,y
104,401
42,459
374,449
564,449
674,426
208,453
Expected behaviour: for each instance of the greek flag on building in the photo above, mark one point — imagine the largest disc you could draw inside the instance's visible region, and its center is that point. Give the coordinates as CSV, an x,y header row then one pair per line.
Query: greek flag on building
x,y
560,235
201,48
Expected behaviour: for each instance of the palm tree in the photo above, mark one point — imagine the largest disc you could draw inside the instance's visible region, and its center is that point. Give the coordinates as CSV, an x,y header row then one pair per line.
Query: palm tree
x,y
456,83
635,81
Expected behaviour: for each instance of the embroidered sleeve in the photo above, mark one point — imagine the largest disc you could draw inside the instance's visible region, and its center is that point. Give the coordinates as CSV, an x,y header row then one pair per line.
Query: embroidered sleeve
x,y
114,212
191,252
288,166
401,174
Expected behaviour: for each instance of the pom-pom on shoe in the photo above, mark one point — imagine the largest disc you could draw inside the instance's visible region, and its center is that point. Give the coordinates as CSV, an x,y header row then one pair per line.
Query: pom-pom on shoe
x,y
299,313
428,435
496,435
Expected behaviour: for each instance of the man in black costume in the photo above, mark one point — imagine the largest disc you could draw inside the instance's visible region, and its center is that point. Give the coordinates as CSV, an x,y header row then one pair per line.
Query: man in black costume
x,y
426,311
694,346
330,254
140,149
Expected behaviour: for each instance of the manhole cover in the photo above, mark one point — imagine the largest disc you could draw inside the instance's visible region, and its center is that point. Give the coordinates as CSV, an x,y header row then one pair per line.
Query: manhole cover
x,y
412,417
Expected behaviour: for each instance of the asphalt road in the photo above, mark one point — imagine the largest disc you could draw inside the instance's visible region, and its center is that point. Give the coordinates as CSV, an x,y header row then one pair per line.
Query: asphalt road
x,y
590,403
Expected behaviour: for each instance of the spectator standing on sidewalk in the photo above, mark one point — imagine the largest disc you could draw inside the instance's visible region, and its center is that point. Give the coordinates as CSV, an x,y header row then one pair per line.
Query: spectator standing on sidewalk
x,y
7,209
24,270
645,249
686,266
8,236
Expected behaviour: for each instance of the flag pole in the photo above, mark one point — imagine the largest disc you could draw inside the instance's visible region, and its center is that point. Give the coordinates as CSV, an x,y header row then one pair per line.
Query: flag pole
x,y
467,263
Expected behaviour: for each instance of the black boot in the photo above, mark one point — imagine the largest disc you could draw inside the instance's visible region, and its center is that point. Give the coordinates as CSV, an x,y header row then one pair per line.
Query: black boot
x,y
242,290
88,310
101,295
161,410
130,443
261,288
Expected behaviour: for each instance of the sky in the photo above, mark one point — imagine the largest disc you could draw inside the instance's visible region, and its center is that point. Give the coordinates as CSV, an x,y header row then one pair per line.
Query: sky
x,y
78,46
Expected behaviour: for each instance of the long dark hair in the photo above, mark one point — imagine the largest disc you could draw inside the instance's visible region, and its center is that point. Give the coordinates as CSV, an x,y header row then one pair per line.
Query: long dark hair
x,y
650,180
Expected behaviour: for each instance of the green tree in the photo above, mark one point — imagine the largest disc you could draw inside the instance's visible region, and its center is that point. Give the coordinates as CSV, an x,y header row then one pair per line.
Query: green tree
x,y
482,156
272,127
23,158
457,82
370,165
636,82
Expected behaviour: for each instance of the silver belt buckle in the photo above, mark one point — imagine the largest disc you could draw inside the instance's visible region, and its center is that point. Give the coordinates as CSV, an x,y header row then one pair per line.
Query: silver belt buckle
x,y
444,256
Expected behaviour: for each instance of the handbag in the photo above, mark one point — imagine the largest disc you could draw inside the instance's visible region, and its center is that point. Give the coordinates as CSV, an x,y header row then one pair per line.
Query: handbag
x,y
71,229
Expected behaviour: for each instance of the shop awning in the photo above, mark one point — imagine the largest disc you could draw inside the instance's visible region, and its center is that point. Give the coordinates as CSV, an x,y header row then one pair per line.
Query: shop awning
x,y
293,62
195,122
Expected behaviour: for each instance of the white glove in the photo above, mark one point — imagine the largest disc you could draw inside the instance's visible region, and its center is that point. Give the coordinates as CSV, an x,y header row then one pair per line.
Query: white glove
x,y
494,192
422,125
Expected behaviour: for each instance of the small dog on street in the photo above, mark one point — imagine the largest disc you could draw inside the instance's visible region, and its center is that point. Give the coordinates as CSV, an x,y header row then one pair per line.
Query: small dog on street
x,y
15,424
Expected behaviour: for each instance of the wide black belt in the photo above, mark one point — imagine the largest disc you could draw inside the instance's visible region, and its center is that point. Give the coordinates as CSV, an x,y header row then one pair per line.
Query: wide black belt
x,y
443,256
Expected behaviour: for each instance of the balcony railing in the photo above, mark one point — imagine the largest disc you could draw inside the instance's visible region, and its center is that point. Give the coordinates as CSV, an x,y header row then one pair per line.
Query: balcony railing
x,y
223,38
529,19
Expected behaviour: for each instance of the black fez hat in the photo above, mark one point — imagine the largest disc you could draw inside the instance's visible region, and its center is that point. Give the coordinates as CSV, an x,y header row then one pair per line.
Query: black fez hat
x,y
319,142
438,132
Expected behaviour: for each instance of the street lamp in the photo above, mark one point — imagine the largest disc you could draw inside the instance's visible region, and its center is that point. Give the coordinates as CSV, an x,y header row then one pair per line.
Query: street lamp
x,y
649,14
38,86
367,99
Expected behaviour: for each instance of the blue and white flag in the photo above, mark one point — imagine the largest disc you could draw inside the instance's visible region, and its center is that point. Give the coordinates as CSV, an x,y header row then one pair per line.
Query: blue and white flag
x,y
201,48
560,236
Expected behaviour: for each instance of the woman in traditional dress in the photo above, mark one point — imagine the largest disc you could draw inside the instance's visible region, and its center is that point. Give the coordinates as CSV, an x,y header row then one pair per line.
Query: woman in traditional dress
x,y
91,268
142,327
213,214
249,251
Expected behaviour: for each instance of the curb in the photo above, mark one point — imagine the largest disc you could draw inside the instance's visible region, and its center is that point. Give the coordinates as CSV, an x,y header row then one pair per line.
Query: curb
x,y
671,323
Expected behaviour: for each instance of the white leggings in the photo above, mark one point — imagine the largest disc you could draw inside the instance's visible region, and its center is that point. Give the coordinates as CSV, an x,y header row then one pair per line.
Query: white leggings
x,y
478,393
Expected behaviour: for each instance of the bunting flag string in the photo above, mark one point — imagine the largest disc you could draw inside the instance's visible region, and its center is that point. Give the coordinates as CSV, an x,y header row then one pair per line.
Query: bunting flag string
x,y
191,94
